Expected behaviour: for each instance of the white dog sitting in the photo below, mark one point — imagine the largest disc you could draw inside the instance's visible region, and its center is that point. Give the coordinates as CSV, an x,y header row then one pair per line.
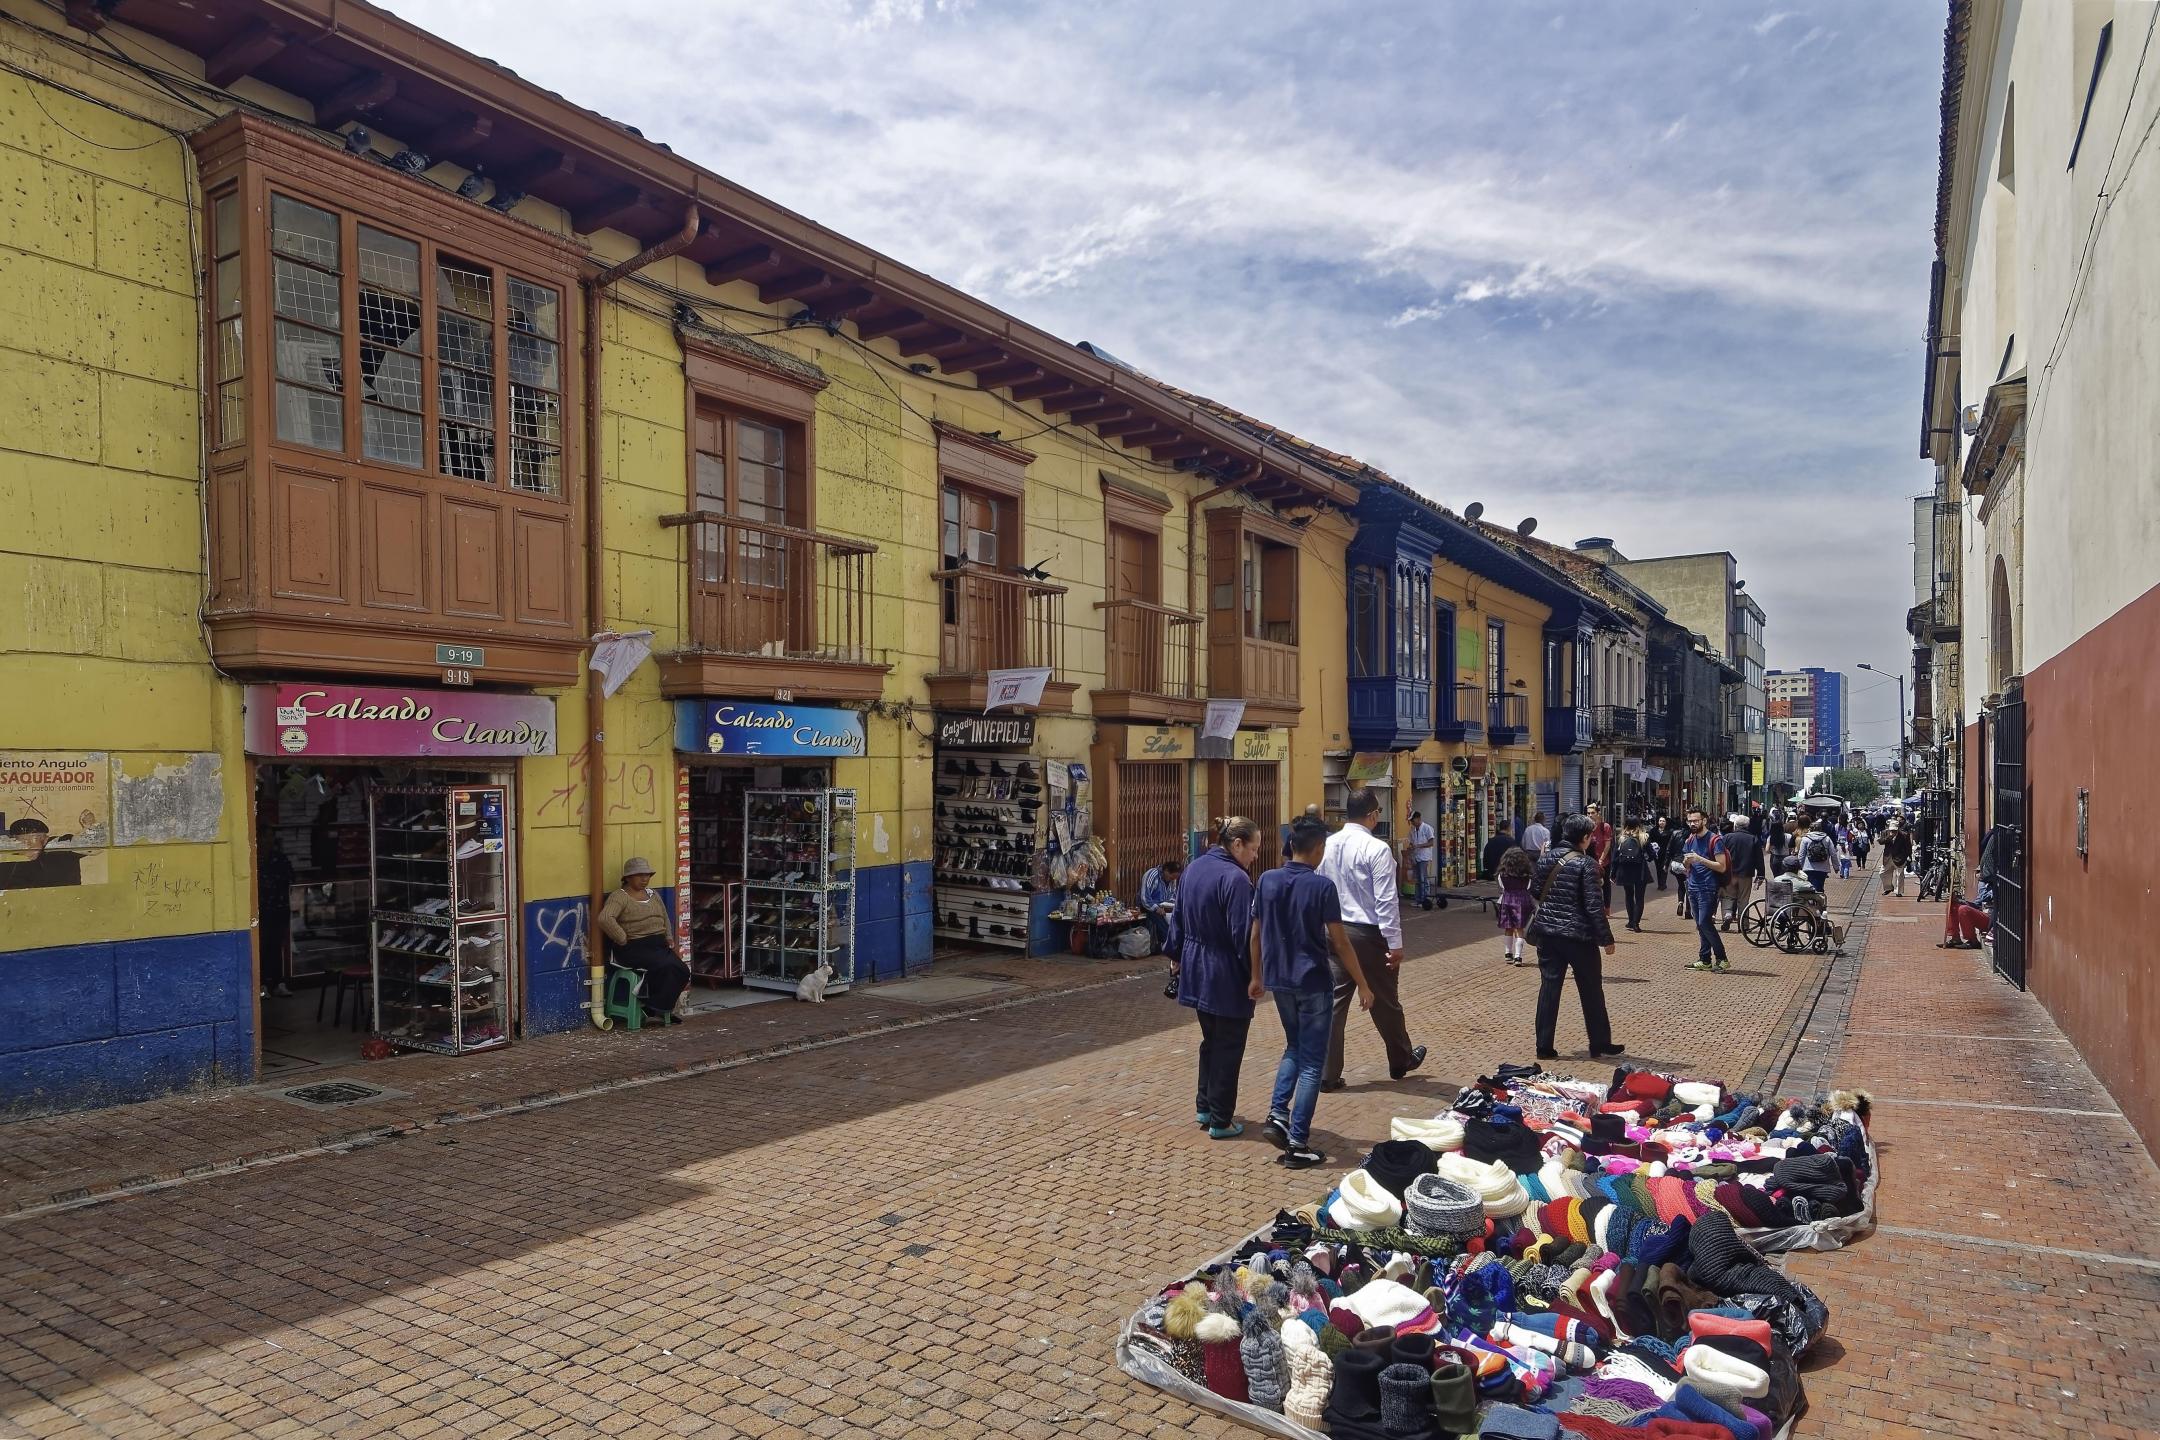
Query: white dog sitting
x,y
812,986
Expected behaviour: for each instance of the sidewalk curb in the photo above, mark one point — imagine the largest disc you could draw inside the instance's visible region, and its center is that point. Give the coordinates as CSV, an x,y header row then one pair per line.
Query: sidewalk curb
x,y
345,1142
1817,1015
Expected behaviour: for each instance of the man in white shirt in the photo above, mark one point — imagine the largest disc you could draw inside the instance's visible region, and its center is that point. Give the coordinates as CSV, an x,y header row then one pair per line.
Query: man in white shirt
x,y
1537,837
1424,850
1363,868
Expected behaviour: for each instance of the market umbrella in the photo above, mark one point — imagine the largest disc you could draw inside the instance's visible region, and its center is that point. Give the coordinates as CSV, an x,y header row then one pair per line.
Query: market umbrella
x,y
1823,802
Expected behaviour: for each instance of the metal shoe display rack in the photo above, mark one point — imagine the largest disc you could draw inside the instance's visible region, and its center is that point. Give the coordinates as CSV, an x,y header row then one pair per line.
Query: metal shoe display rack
x,y
989,831
438,870
797,903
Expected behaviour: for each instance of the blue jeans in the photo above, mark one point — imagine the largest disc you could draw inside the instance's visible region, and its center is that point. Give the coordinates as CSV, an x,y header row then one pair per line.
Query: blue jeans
x,y
1422,870
1307,1016
1704,904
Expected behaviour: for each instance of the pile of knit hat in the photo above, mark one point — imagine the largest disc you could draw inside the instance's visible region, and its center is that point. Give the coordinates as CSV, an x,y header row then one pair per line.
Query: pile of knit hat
x,y
1552,1257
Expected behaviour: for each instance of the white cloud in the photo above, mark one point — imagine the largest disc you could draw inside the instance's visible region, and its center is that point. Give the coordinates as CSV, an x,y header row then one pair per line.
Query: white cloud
x,y
1672,131
1771,21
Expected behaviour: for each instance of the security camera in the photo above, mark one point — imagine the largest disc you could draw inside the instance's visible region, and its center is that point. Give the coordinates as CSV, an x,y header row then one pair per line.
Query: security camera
x,y
1969,419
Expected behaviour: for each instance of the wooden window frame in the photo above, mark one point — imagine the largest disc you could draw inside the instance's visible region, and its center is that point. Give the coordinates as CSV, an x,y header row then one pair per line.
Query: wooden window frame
x,y
256,160
741,388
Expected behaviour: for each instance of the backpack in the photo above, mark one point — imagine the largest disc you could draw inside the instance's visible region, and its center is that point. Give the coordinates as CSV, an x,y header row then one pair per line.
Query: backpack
x,y
1818,852
1628,851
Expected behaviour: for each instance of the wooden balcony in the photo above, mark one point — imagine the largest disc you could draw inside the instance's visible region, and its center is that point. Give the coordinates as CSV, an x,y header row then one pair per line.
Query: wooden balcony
x,y
1262,673
990,621
1151,670
773,608
1617,724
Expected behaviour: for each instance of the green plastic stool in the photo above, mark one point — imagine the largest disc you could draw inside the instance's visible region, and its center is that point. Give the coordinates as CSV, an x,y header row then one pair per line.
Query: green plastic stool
x,y
621,997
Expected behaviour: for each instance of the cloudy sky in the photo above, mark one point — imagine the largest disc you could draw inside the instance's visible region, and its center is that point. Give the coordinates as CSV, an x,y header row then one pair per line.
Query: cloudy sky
x,y
1656,271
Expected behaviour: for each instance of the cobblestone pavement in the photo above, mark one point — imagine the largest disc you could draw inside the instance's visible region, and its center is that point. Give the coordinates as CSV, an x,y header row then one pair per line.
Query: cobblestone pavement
x,y
935,1230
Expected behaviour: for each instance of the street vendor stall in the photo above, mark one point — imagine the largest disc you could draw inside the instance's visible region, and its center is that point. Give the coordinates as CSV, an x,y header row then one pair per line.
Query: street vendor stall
x,y
1548,1258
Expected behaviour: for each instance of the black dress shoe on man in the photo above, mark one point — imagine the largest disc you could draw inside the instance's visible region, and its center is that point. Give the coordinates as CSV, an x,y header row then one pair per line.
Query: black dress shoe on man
x,y
1330,1086
1599,1052
1417,1058
1548,1054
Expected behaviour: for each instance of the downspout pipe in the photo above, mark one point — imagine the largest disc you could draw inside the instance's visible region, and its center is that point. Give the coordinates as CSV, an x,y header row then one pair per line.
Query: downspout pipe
x,y
596,607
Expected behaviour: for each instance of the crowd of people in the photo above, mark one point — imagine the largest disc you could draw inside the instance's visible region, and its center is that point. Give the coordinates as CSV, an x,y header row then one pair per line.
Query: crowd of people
x,y
1323,931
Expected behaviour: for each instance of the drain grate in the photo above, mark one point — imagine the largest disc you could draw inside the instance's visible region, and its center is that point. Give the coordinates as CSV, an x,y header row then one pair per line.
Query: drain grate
x,y
335,1094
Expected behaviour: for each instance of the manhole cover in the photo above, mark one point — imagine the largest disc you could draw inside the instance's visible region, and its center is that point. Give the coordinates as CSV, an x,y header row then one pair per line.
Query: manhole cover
x,y
335,1094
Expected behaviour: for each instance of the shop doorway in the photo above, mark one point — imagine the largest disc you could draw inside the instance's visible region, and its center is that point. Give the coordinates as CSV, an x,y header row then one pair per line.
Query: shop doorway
x,y
1255,791
719,802
317,858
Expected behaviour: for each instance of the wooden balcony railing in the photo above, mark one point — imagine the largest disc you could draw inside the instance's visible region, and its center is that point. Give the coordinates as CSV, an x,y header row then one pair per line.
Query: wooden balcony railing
x,y
998,622
1153,649
1615,722
774,591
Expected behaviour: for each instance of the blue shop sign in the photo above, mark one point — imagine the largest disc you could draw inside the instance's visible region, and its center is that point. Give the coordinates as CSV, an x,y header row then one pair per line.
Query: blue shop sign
x,y
752,728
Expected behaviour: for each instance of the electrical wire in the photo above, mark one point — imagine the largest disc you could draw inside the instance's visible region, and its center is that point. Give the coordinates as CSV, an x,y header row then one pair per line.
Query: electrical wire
x,y
2101,210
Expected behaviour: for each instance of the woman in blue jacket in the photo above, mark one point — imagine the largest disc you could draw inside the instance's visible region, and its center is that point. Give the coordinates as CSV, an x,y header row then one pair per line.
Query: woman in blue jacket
x,y
1219,968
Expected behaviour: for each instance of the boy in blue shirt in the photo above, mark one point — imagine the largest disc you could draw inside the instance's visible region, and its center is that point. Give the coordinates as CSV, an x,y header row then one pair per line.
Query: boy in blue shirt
x,y
1301,948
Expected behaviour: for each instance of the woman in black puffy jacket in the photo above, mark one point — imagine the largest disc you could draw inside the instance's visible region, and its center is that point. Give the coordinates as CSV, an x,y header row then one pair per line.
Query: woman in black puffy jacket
x,y
1569,929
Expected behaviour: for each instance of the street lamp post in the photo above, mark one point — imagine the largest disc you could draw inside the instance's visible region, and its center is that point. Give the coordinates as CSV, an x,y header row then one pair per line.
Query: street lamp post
x,y
1901,758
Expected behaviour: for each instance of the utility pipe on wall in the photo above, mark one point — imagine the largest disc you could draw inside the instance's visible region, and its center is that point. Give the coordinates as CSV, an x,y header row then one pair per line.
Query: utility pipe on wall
x,y
596,607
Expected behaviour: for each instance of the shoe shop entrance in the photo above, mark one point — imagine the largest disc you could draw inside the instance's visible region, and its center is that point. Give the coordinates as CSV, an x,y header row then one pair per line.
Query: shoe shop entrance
x,y
386,862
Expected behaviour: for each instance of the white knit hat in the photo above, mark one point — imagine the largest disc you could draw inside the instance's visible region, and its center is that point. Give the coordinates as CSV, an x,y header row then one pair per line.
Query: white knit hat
x,y
1312,1376
1495,1184
1442,1132
1385,1302
1695,1092
1362,1204
1724,1377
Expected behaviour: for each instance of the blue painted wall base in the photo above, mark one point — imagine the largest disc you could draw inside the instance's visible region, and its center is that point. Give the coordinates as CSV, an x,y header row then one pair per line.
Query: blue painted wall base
x,y
103,1024
557,972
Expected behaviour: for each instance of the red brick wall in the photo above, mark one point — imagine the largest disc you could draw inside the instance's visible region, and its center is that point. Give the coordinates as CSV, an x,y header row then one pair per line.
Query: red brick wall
x,y
2094,931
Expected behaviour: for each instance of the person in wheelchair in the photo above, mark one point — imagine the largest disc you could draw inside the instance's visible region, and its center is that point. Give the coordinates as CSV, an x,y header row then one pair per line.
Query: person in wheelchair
x,y
1793,888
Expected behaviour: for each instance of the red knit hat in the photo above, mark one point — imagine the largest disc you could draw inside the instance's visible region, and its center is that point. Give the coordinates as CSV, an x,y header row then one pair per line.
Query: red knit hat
x,y
1706,1322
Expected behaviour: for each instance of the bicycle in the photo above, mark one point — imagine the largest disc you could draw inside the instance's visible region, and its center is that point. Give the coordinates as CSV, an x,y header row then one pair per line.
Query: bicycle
x,y
1935,883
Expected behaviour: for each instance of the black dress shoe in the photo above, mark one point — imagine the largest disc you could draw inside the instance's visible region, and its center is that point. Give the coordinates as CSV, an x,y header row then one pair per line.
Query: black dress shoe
x,y
1599,1052
1332,1085
1548,1054
1417,1058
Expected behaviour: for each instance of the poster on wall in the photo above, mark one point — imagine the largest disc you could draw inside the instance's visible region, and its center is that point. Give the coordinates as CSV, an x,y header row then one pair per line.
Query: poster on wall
x,y
55,818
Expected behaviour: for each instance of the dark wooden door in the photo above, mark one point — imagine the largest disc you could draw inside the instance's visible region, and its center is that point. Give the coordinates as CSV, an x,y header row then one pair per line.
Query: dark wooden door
x,y
2008,785
743,572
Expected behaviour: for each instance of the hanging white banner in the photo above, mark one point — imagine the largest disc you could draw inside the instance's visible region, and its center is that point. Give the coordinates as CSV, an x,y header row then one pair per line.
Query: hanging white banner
x,y
1016,687
1222,719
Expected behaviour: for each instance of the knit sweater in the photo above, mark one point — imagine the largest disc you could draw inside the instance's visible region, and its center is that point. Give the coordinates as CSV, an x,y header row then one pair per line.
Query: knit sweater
x,y
626,917
1574,907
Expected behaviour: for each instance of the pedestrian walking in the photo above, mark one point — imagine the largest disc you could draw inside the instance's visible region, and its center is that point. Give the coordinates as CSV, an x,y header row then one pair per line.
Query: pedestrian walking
x,y
1569,930
1219,970
1818,855
1312,812
1703,862
1502,841
1630,869
1739,886
1363,869
1844,851
1599,848
1536,837
1424,851
1896,855
1302,950
1515,871
1661,838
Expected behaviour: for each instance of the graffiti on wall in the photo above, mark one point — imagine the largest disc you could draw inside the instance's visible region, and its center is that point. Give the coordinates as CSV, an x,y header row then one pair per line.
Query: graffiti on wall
x,y
557,938
630,790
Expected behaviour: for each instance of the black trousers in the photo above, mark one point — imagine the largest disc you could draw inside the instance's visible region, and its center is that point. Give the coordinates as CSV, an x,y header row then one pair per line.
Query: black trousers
x,y
1222,1052
666,977
1388,1018
1554,959
1633,888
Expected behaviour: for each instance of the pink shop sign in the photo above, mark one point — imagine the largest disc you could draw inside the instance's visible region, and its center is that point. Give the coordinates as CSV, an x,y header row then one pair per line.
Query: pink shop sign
x,y
322,721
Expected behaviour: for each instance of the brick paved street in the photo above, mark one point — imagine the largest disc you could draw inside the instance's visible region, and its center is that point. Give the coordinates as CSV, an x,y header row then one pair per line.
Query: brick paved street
x,y
935,1230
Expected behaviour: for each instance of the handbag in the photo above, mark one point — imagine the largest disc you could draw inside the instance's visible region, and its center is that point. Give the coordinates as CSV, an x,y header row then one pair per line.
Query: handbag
x,y
1534,932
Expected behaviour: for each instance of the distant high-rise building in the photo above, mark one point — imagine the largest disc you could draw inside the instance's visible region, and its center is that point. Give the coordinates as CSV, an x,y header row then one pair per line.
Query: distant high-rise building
x,y
1809,705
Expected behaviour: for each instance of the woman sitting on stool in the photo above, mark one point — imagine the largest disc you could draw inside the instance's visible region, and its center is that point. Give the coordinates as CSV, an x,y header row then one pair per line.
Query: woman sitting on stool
x,y
636,925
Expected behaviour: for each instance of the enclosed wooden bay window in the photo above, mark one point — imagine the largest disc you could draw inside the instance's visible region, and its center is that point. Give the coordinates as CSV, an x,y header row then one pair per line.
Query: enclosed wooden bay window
x,y
1252,561
393,460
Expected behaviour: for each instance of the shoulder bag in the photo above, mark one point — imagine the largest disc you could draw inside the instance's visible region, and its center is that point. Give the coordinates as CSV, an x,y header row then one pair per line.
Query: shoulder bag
x,y
1534,932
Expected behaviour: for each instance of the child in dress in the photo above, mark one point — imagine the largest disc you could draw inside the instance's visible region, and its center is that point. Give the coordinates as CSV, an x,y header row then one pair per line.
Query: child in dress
x,y
1514,873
